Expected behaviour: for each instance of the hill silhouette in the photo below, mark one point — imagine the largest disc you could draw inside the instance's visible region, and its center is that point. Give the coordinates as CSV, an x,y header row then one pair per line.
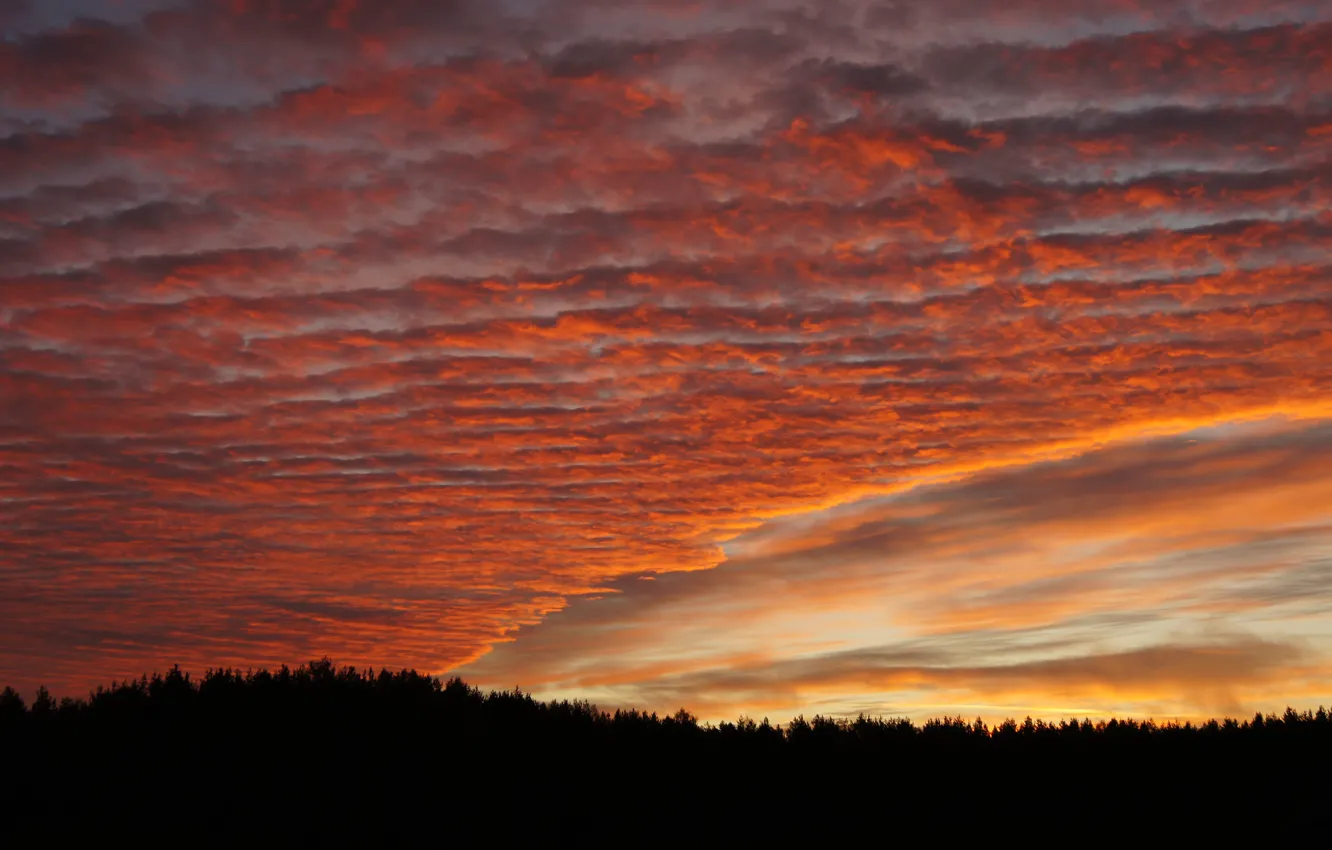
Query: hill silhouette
x,y
328,756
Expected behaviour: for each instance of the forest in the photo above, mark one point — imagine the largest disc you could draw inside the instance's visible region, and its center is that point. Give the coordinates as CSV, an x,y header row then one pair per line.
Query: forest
x,y
334,756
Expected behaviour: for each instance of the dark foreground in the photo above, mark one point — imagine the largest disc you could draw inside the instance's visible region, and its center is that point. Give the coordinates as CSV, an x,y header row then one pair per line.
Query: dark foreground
x,y
327,757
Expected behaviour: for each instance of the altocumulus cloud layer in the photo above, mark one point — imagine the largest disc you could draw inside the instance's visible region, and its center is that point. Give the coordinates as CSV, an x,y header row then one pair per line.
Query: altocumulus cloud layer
x,y
739,355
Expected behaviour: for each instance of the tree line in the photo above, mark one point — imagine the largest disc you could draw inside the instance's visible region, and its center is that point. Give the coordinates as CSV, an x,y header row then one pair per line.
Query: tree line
x,y
327,754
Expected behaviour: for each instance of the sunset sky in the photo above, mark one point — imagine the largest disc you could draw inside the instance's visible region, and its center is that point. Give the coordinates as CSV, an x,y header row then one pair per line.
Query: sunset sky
x,y
774,357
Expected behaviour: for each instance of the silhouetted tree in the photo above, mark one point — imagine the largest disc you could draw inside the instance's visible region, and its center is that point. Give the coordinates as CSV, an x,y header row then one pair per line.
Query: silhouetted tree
x,y
12,707
327,755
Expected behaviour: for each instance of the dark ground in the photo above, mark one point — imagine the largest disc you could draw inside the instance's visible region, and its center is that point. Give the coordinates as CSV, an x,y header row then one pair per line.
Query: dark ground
x,y
327,757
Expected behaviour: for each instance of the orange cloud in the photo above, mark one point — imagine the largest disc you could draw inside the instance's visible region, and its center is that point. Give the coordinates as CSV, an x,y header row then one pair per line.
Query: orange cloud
x,y
986,591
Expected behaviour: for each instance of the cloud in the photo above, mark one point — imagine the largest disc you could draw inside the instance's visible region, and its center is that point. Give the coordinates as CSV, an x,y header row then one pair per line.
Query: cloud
x,y
437,318
1097,574
1216,678
1265,64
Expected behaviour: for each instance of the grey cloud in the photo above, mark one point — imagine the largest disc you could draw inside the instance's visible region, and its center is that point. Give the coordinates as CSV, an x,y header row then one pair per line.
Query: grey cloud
x,y
884,80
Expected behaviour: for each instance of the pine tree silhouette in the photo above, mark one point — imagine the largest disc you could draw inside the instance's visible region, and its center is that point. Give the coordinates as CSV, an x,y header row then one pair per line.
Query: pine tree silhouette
x,y
329,756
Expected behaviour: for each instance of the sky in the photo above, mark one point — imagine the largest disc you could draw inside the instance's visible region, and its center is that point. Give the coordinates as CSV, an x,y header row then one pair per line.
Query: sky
x,y
777,357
